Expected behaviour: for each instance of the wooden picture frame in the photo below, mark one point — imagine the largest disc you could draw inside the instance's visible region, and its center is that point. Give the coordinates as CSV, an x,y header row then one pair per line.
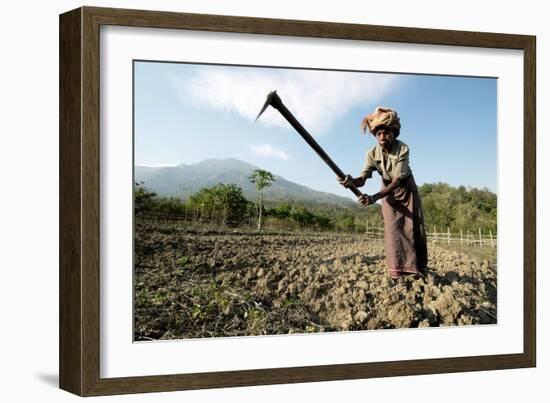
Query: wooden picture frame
x,y
79,279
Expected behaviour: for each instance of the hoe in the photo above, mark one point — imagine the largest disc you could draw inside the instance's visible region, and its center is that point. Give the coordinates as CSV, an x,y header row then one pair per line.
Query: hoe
x,y
275,101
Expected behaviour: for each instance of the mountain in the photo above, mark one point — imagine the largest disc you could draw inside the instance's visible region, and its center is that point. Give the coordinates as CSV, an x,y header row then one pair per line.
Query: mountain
x,y
183,180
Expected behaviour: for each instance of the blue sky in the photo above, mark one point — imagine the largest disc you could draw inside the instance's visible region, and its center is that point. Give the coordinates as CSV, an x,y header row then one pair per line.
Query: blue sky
x,y
185,113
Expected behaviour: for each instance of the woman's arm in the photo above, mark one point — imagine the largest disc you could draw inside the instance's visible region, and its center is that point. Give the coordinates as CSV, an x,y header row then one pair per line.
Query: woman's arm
x,y
348,180
367,200
386,189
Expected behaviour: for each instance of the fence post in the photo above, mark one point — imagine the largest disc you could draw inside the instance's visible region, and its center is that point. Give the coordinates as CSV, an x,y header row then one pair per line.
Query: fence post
x,y
448,236
480,239
491,235
461,237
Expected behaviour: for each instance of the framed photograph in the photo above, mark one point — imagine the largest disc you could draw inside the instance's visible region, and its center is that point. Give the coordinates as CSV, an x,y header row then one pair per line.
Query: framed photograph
x,y
248,201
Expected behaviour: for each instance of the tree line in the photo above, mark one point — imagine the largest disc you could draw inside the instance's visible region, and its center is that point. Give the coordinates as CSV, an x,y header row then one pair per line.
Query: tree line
x,y
458,208
445,206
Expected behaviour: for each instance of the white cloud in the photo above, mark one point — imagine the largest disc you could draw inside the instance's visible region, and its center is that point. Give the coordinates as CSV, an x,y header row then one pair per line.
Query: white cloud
x,y
316,98
267,150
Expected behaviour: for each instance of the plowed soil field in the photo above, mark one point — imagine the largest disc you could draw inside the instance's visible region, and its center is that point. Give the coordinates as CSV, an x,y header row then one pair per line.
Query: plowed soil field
x,y
193,284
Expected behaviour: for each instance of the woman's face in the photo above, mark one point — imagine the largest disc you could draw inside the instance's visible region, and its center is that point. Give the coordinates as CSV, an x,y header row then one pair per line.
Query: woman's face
x,y
385,137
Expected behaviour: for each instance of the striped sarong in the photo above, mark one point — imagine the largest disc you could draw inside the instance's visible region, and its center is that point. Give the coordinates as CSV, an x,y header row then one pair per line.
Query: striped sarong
x,y
404,232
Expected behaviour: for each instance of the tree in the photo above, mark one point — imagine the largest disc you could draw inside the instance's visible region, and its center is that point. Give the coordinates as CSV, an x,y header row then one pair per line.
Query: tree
x,y
224,203
144,200
302,216
282,210
261,179
460,208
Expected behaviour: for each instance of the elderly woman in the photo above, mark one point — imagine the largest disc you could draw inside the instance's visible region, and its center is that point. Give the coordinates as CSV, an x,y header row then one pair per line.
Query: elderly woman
x,y
404,233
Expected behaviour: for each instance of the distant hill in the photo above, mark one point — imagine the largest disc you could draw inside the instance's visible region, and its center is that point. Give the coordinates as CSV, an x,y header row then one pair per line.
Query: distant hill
x,y
183,180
